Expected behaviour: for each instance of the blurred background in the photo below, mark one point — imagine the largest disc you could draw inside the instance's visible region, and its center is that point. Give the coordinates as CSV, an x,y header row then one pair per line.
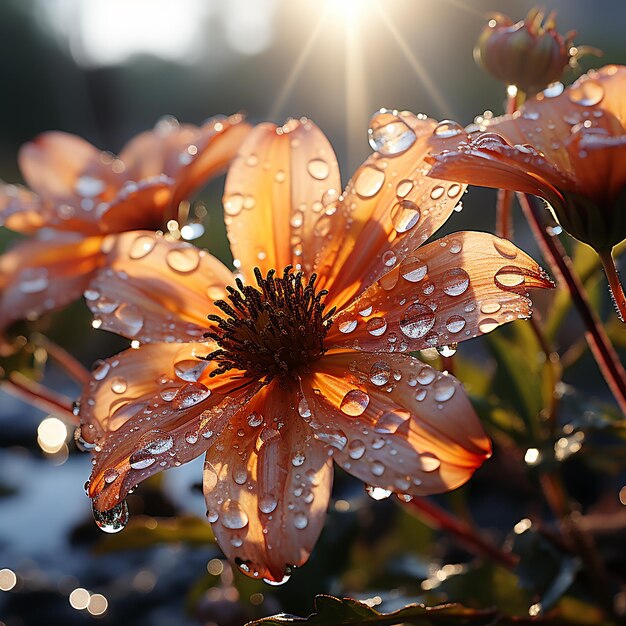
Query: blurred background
x,y
108,69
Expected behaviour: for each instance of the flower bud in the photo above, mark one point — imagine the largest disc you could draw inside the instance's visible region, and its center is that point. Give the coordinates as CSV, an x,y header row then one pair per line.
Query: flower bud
x,y
530,54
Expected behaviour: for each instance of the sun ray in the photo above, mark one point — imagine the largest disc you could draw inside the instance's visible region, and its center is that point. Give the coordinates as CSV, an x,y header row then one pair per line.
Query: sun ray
x,y
417,67
289,84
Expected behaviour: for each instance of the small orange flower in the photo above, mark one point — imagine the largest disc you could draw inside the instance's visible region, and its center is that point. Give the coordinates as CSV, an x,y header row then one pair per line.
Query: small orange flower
x,y
529,54
569,149
81,194
304,357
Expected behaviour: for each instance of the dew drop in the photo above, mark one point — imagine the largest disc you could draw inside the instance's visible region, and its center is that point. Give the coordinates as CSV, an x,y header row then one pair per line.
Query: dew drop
x,y
110,475
88,186
586,93
417,321
455,281
447,128
404,215
141,459
376,326
377,493
190,369
447,351
33,280
233,516
389,134
369,181
298,459
141,246
255,419
429,462
118,384
356,449
347,326
354,402
318,168
508,277
404,188
380,373
300,520
426,376
413,269
389,258
183,260
233,204
113,520
489,308
267,503
455,324
190,395
444,389
100,369
437,192
505,248
303,408
454,190
487,325
130,318
377,468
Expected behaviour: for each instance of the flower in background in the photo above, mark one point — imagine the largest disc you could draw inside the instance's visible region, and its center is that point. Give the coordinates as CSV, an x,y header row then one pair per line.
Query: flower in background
x,y
80,195
529,54
569,150
304,356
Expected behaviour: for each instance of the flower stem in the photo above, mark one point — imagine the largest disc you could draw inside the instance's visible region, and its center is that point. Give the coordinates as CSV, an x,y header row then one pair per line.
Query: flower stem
x,y
561,266
40,396
615,285
436,517
69,363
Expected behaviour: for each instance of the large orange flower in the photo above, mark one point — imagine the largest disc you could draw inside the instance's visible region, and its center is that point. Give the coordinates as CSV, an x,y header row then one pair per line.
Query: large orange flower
x,y
569,149
303,358
80,194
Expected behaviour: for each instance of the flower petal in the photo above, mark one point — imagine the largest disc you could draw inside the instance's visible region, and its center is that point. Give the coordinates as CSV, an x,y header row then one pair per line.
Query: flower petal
x,y
41,276
394,422
458,287
187,154
267,483
66,168
152,408
273,194
389,207
20,209
155,289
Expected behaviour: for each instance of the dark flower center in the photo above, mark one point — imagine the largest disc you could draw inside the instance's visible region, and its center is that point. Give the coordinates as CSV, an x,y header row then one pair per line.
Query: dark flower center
x,y
274,329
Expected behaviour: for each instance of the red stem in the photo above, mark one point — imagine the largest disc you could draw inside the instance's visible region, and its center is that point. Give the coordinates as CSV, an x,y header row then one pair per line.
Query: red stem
x,y
436,517
40,396
615,285
561,266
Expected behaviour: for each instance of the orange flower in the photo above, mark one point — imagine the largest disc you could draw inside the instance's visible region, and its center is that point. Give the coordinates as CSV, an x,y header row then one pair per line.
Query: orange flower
x,y
569,149
81,194
303,358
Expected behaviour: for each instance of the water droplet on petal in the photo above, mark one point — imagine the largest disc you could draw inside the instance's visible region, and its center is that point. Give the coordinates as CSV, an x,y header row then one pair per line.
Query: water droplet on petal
x,y
389,258
376,326
586,93
437,192
426,376
347,326
413,269
33,280
183,260
142,246
300,520
508,277
380,373
190,369
267,503
118,384
190,395
130,318
377,468
404,215
110,475
487,325
369,181
505,248
447,128
356,449
444,389
455,324
447,351
354,402
377,493
404,188
429,462
255,419
389,134
455,281
233,516
303,408
417,321
489,308
113,520
318,168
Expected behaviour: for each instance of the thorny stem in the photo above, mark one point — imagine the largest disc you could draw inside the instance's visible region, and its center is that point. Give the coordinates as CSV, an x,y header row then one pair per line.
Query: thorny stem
x,y
436,517
615,285
561,266
70,364
43,398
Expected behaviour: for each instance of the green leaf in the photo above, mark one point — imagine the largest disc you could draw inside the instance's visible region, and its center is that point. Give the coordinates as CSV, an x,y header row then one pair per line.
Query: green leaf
x,y
331,611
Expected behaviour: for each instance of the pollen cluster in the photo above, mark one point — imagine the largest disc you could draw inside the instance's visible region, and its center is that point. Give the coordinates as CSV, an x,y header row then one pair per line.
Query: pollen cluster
x,y
272,330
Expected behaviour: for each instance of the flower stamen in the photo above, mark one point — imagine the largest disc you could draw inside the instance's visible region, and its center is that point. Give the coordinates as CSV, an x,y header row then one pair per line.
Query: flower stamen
x,y
274,329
